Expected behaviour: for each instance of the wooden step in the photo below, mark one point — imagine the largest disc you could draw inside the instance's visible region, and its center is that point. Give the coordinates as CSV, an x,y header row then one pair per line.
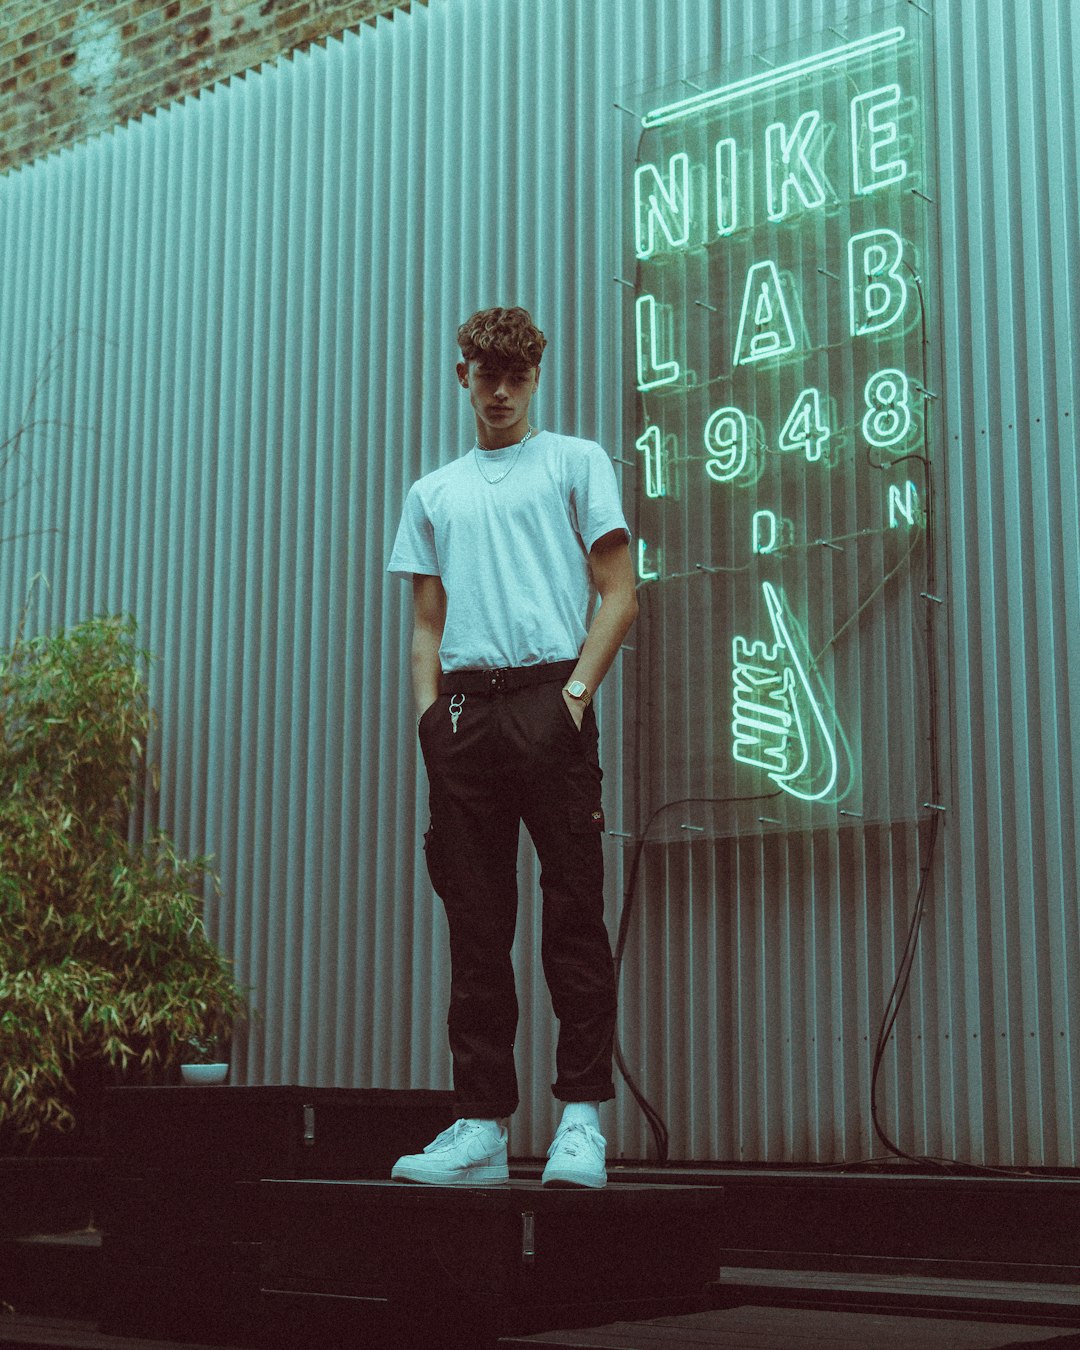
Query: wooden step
x,y
67,1333
180,1195
363,1260
977,1225
54,1274
1012,1299
43,1194
760,1328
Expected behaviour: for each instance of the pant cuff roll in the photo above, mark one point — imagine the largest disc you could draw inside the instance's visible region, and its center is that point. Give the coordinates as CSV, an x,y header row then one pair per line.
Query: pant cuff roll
x,y
601,1093
485,1110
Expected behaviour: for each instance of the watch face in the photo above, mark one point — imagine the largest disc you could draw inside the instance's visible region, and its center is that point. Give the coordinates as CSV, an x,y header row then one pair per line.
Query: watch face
x,y
576,689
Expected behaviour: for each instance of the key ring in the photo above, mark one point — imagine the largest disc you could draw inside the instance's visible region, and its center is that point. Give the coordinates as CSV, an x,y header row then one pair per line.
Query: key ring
x,y
457,702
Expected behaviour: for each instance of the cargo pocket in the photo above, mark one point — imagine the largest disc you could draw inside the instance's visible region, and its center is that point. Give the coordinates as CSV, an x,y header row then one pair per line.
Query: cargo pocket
x,y
584,861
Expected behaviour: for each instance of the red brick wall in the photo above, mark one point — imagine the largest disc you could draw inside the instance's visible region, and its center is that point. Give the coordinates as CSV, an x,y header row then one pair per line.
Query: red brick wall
x,y
68,71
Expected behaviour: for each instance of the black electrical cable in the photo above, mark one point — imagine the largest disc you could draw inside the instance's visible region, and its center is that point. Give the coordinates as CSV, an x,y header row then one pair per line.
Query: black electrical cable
x,y
899,989
896,998
907,960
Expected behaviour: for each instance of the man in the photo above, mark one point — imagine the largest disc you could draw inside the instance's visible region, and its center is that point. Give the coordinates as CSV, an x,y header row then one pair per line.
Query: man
x,y
507,547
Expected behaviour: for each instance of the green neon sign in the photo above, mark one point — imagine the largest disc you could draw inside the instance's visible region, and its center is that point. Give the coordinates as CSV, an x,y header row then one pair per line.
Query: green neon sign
x,y
783,720
847,55
782,232
653,367
662,205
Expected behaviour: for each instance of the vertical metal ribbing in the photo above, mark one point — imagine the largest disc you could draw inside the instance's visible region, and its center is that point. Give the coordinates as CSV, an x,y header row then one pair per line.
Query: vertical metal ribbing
x,y
1013,522
258,292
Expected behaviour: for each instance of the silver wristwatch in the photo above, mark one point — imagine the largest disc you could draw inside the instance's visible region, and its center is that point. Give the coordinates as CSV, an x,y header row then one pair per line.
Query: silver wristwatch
x,y
579,690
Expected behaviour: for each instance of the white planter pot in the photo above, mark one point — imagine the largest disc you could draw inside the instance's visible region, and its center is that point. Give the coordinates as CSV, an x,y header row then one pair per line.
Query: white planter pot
x,y
204,1073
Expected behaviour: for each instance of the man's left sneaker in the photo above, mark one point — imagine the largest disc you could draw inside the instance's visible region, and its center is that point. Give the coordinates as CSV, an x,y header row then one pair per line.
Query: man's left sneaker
x,y
576,1158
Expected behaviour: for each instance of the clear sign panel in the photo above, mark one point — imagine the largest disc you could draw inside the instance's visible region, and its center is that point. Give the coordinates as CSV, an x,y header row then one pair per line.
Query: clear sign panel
x,y
782,221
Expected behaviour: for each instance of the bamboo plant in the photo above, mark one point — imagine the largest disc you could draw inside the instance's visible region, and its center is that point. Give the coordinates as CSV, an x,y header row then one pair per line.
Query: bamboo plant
x,y
103,954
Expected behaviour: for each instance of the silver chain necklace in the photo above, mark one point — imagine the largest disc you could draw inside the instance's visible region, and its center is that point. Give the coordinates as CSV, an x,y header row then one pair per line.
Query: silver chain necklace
x,y
477,452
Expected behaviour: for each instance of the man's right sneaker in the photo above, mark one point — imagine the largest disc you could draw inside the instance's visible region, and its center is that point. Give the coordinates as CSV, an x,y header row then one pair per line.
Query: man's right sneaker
x,y
576,1158
469,1153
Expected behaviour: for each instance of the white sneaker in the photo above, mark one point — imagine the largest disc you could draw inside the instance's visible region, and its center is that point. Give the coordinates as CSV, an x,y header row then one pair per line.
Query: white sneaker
x,y
576,1158
469,1153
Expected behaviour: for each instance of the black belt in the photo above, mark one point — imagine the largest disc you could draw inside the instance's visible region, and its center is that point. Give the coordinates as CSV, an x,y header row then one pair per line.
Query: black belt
x,y
501,681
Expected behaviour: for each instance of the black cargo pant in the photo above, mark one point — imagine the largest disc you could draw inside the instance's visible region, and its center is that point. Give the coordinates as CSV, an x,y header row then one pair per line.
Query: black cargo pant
x,y
496,758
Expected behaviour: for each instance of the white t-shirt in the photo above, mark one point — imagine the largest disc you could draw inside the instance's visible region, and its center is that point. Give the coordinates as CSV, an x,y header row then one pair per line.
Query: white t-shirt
x,y
513,554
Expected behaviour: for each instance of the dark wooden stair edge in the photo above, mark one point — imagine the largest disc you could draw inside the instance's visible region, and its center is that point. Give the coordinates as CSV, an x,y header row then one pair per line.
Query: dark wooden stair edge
x,y
733,1259
1017,1300
65,1333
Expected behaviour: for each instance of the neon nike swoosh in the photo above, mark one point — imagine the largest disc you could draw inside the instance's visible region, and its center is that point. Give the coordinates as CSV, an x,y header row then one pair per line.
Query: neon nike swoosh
x,y
796,678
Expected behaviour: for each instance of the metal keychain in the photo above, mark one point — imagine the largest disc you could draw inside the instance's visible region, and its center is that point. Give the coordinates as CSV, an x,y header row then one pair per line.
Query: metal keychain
x,y
457,702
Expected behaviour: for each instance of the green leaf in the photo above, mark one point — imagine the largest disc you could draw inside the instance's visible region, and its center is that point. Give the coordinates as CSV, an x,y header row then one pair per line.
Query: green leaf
x,y
103,951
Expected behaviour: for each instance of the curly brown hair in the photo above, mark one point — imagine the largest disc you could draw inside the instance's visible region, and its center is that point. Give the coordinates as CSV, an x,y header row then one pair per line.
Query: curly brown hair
x,y
506,338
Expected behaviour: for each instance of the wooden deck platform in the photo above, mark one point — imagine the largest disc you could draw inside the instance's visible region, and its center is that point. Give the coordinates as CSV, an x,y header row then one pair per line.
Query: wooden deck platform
x,y
757,1328
253,1218
743,1328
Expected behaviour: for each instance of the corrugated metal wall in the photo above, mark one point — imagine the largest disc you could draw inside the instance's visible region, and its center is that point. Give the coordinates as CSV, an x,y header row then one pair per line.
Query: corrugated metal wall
x,y
1006,940
250,301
